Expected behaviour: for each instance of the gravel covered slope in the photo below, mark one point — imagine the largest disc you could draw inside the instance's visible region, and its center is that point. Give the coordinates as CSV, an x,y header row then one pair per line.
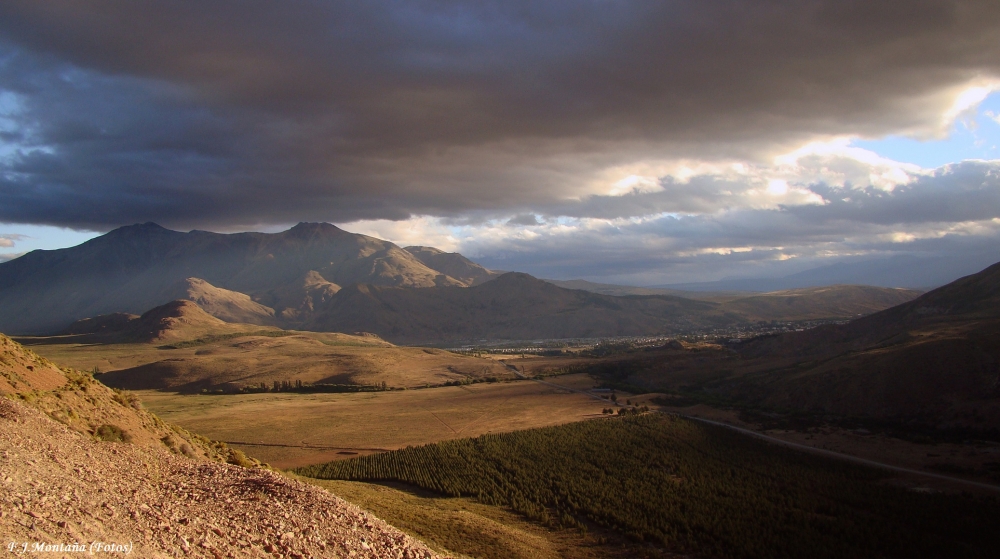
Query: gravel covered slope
x,y
58,486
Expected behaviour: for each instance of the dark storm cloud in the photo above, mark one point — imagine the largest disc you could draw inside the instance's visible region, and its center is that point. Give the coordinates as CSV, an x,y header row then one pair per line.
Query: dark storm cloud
x,y
523,219
227,114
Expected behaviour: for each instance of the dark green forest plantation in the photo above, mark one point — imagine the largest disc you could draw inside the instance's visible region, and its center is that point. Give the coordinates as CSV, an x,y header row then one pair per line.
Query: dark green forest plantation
x,y
690,488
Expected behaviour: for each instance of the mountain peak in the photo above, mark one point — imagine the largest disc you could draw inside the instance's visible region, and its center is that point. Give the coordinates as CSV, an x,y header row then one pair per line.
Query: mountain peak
x,y
422,249
519,277
306,228
140,229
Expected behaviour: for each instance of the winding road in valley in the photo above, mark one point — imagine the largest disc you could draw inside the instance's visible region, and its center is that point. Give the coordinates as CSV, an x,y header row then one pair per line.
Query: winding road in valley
x,y
798,446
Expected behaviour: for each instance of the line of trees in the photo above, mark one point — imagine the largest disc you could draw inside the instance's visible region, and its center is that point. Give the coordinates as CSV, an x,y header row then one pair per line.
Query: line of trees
x,y
301,387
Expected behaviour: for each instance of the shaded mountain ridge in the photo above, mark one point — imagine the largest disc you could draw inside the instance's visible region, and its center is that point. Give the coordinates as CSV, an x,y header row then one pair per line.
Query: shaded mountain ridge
x,y
934,360
452,264
137,267
512,306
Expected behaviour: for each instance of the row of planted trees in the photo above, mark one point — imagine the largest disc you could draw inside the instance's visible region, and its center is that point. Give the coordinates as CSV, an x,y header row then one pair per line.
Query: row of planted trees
x,y
299,386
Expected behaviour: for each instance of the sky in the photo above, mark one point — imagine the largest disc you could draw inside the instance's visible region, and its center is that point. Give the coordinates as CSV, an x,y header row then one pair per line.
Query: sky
x,y
637,142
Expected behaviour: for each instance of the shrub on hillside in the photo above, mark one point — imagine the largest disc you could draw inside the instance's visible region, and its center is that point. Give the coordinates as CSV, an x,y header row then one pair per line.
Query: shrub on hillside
x,y
237,458
112,433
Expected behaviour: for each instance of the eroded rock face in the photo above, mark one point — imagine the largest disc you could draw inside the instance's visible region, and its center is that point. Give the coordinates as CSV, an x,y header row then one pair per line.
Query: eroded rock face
x,y
57,486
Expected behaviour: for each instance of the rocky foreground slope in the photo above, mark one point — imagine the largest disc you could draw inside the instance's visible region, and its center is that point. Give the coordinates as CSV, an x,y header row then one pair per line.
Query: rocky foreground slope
x,y
61,485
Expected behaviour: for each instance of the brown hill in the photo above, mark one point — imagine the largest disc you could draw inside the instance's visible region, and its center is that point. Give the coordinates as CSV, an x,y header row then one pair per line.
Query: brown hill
x,y
814,303
128,270
70,475
967,305
453,265
105,323
193,352
229,365
935,360
176,320
513,306
226,305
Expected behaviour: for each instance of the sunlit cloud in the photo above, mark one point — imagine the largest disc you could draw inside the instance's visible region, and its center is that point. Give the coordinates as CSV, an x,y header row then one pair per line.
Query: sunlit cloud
x,y
419,231
966,102
7,240
835,221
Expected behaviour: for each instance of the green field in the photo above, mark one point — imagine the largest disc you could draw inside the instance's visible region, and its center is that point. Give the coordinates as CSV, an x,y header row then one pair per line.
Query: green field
x,y
691,488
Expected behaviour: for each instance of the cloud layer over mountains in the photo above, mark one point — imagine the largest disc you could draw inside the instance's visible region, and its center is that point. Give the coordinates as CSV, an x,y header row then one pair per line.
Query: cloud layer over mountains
x,y
656,121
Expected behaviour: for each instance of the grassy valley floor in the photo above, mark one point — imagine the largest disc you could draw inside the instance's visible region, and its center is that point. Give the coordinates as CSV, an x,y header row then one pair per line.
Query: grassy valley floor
x,y
289,430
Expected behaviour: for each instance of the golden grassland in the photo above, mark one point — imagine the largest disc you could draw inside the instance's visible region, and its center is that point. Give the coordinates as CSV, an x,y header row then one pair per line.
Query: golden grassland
x,y
289,430
249,360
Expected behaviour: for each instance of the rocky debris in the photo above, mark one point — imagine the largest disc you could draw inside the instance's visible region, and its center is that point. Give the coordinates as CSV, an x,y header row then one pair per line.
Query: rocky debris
x,y
58,486
21,369
80,402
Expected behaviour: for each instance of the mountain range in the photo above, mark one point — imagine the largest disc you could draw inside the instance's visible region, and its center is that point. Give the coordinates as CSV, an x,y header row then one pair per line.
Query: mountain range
x,y
933,361
135,268
318,277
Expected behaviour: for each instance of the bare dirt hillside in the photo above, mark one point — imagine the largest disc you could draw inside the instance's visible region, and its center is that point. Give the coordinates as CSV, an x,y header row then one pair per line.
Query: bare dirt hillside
x,y
81,463
22,370
79,402
60,487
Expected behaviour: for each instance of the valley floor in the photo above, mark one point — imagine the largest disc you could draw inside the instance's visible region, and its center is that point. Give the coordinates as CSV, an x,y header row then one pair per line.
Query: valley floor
x,y
289,430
